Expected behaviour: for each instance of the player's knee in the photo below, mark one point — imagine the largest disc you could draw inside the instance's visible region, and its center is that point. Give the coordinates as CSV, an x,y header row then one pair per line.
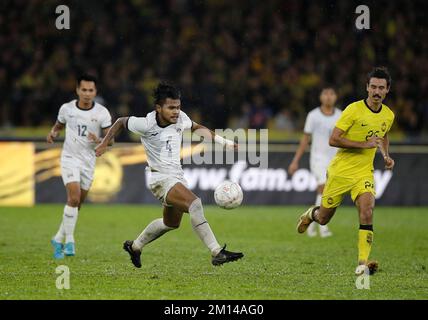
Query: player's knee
x,y
366,213
74,201
194,204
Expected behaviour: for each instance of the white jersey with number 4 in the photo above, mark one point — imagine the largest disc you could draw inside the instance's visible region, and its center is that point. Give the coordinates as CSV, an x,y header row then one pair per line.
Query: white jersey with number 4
x,y
162,144
78,149
320,127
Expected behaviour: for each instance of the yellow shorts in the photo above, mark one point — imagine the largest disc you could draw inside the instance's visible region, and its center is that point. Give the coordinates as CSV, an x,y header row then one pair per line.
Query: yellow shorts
x,y
336,188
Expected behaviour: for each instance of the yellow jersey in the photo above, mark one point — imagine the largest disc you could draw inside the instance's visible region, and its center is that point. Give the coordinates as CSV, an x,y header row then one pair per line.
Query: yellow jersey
x,y
360,123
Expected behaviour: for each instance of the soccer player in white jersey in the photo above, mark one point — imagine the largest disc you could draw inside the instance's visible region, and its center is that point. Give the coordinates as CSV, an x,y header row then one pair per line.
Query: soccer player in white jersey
x,y
84,121
161,134
318,126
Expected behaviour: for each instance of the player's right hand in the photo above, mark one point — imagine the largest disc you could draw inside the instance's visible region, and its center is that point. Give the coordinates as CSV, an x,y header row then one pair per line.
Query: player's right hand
x,y
373,142
292,168
51,136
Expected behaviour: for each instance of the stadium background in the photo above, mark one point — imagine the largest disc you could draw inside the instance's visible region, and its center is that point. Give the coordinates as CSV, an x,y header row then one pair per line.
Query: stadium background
x,y
241,64
249,64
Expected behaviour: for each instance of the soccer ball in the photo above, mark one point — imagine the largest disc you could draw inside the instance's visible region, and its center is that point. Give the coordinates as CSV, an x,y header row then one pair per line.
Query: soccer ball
x,y
228,195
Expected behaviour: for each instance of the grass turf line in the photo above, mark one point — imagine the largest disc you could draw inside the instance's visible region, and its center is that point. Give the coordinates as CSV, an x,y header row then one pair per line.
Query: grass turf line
x,y
278,262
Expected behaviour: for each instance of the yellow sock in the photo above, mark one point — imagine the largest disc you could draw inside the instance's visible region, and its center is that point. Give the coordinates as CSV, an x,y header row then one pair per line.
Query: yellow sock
x,y
365,240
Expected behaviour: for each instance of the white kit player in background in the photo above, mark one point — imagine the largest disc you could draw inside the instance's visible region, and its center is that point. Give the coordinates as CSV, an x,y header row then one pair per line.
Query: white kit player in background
x,y
318,127
161,134
85,121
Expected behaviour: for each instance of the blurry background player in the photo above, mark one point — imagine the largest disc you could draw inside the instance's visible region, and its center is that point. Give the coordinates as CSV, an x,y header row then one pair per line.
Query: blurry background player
x,y
318,127
161,134
362,127
84,121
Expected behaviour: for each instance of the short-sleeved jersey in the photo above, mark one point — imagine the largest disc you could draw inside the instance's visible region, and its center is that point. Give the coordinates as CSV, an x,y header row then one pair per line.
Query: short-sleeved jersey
x,y
320,126
78,123
360,123
162,144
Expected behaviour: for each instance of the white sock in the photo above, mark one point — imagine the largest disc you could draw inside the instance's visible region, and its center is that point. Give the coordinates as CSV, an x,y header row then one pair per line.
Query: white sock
x,y
60,235
69,222
312,228
153,231
324,229
202,228
318,199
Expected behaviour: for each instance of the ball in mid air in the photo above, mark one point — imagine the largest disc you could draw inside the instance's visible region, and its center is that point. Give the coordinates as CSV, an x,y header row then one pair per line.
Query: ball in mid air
x,y
228,195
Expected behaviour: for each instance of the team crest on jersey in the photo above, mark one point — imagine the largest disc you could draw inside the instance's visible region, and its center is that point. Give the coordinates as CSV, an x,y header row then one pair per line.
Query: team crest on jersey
x,y
383,127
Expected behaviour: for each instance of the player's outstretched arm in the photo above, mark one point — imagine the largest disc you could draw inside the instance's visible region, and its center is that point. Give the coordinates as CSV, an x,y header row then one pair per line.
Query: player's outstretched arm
x,y
111,133
210,135
337,140
304,142
56,129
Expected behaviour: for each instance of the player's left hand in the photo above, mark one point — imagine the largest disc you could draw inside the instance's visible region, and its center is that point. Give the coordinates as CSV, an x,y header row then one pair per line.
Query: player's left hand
x,y
389,163
100,149
230,146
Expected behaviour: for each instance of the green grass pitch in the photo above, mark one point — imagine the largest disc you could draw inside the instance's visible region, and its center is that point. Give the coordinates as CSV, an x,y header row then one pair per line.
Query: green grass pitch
x,y
278,263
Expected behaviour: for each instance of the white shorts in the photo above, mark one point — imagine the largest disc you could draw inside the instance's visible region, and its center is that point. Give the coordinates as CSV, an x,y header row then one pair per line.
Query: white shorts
x,y
319,170
160,184
74,173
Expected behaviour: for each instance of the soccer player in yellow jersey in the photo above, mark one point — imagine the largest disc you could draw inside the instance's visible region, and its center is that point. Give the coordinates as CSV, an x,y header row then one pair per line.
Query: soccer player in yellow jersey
x,y
362,128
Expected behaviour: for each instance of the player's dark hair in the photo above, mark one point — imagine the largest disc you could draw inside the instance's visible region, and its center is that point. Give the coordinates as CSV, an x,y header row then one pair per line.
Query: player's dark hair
x,y
166,90
328,87
86,77
380,73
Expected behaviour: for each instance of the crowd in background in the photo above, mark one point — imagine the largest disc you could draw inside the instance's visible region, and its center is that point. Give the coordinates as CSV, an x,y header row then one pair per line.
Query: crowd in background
x,y
251,64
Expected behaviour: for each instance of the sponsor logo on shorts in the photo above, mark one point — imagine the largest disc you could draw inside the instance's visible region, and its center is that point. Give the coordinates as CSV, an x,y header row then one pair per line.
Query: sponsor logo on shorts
x,y
368,184
330,200
69,175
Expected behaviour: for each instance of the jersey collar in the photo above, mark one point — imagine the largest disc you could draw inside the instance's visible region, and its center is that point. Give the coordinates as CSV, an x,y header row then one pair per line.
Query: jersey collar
x,y
77,106
380,109
157,121
328,115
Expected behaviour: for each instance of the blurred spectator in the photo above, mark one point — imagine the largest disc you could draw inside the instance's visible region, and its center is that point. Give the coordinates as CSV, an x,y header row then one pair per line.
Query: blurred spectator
x,y
284,121
409,121
219,52
243,120
259,113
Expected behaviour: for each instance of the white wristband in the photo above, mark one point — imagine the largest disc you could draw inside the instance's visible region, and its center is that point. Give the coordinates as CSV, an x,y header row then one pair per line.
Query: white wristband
x,y
224,142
